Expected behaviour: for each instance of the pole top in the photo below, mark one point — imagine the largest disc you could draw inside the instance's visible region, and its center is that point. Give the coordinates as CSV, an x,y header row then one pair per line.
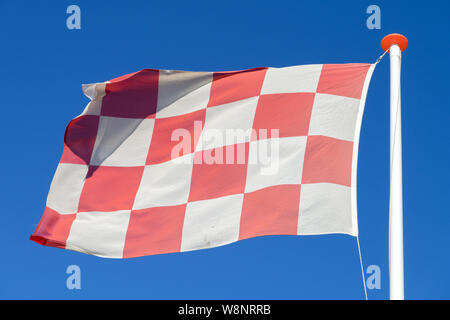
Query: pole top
x,y
394,38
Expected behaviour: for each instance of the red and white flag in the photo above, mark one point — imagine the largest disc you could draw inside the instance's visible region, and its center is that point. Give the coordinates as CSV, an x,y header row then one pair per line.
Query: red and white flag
x,y
166,161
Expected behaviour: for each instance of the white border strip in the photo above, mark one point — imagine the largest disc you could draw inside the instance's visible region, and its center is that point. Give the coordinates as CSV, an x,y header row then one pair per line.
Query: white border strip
x,y
362,104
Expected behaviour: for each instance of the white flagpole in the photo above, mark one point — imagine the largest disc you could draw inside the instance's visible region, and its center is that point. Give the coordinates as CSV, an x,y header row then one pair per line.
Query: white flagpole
x,y
395,43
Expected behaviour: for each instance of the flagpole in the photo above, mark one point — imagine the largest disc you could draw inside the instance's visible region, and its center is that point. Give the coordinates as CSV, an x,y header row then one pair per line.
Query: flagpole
x,y
395,43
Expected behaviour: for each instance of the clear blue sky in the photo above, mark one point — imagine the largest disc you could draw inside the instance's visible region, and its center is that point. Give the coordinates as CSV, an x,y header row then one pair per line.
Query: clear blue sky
x,y
43,65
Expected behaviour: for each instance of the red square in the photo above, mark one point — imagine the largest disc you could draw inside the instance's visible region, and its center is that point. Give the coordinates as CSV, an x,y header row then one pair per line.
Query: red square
x,y
79,139
328,160
132,96
270,211
226,176
175,136
236,85
110,188
53,229
154,231
290,113
343,79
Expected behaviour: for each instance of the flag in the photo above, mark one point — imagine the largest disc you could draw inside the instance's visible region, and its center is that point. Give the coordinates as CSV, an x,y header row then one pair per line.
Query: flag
x,y
167,161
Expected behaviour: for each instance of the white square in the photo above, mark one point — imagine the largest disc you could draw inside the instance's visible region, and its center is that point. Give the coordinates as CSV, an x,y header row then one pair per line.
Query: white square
x,y
334,116
95,92
211,223
292,79
66,187
181,92
122,142
228,124
165,184
325,208
274,162
99,233
94,108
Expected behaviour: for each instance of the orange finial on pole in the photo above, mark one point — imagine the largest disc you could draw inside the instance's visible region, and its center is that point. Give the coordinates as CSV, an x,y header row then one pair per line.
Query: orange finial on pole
x,y
394,38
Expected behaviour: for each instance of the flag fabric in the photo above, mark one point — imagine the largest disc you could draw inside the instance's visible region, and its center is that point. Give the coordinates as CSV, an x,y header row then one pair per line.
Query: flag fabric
x,y
167,161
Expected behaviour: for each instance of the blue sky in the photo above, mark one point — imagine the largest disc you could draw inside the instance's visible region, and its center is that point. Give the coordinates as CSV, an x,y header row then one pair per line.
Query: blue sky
x,y
44,64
